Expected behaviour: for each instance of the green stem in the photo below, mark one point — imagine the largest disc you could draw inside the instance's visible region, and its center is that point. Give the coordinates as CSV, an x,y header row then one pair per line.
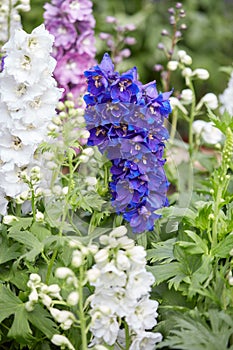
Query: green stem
x,y
191,119
127,337
215,220
81,309
190,140
18,210
33,201
50,266
174,125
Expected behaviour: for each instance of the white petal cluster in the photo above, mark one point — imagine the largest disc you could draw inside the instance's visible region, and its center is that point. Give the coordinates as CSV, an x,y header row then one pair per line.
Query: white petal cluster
x,y
28,98
9,16
122,291
226,98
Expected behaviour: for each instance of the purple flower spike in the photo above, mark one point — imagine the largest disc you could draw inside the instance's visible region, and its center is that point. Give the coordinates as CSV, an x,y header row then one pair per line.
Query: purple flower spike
x,y
71,22
125,120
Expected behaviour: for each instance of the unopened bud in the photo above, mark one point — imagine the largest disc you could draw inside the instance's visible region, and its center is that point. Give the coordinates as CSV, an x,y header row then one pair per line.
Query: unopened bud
x,y
202,74
172,65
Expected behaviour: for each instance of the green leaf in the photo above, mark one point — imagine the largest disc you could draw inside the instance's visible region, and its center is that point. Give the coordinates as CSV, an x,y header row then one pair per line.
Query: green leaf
x,y
41,319
29,241
178,213
9,303
163,251
7,252
165,272
198,247
223,248
22,223
20,329
40,231
203,273
193,331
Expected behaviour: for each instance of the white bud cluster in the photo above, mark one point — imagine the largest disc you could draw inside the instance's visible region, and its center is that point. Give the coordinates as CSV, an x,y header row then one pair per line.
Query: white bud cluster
x,y
41,292
122,290
28,99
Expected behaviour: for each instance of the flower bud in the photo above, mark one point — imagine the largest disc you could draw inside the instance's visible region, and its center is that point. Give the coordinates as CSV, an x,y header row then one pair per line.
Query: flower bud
x,y
62,341
186,60
93,249
210,100
88,151
9,219
118,231
181,54
63,272
175,103
202,74
83,158
93,275
73,298
130,40
46,300
101,256
172,65
35,278
187,95
29,306
197,126
187,72
33,296
77,258
39,216
110,19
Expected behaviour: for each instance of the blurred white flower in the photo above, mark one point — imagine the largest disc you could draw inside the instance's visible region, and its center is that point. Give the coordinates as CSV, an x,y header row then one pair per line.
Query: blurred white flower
x,y
208,132
226,98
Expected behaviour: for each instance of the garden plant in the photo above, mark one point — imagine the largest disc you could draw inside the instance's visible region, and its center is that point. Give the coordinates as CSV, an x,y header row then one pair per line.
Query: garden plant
x,y
116,185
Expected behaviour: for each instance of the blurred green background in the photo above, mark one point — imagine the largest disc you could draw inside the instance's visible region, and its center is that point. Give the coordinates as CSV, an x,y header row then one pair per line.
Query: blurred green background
x,y
208,38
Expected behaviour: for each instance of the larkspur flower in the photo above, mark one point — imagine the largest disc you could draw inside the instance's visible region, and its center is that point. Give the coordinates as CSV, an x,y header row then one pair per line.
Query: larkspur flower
x,y
125,120
121,292
71,22
28,98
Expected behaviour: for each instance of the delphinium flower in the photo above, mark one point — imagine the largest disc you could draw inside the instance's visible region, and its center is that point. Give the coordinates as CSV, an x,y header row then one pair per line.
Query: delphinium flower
x,y
71,22
118,39
122,294
28,98
10,18
125,119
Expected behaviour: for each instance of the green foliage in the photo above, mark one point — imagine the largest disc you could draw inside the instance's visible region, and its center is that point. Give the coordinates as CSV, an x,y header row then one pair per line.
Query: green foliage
x,y
212,331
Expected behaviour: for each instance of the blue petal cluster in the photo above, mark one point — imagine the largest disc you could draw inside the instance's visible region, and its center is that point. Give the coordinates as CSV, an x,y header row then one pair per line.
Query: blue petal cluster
x,y
125,119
